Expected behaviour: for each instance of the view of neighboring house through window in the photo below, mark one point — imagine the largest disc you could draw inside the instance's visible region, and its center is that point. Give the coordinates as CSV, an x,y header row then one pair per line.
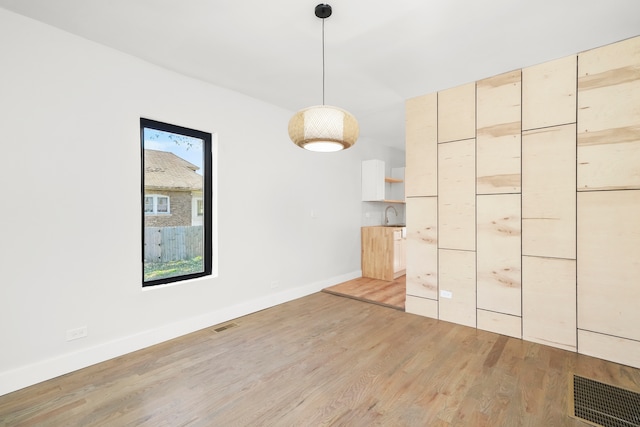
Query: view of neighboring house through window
x,y
156,204
176,202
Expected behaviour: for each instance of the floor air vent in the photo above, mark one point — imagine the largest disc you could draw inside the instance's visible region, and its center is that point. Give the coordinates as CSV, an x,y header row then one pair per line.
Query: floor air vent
x,y
225,327
605,405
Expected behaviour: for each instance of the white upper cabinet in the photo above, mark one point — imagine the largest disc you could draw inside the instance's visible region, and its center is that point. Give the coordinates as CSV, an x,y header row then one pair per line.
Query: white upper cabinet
x,y
377,187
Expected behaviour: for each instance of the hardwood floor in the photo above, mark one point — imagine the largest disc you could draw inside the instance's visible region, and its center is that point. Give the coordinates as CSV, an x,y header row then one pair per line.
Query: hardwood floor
x,y
388,294
321,360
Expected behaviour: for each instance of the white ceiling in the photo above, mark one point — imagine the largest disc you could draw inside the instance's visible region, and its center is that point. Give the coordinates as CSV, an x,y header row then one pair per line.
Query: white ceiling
x,y
377,53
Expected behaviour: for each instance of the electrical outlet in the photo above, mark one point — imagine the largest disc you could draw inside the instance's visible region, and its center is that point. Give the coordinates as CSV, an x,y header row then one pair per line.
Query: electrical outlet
x,y
74,334
446,294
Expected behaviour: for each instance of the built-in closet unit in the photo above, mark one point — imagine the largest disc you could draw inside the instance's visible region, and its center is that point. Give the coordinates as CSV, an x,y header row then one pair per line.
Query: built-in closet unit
x,y
523,203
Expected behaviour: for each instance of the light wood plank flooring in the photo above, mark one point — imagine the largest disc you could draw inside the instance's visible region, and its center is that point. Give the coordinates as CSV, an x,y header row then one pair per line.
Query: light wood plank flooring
x,y
388,294
317,361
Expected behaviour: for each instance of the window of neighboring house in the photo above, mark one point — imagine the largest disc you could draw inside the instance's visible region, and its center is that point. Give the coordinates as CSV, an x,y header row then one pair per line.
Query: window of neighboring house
x,y
199,207
156,204
176,161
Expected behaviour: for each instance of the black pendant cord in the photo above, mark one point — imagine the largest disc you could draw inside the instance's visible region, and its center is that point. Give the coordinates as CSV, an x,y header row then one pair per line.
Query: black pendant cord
x,y
323,77
323,11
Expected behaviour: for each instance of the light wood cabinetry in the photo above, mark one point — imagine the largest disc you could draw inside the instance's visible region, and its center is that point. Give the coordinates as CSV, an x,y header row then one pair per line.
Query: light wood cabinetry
x,y
375,181
422,306
608,347
609,117
549,93
399,253
499,278
609,262
498,134
421,146
383,252
549,301
608,202
457,195
548,192
549,203
538,185
457,287
457,113
422,247
500,323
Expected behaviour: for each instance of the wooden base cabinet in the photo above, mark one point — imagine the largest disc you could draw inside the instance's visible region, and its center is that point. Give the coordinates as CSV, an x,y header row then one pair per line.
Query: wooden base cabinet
x,y
383,252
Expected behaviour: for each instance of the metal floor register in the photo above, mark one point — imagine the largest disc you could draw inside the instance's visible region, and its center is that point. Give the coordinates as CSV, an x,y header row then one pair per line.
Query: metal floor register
x,y
605,405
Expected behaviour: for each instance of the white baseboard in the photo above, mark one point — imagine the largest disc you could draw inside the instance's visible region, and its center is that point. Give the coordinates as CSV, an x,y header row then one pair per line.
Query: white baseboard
x,y
34,373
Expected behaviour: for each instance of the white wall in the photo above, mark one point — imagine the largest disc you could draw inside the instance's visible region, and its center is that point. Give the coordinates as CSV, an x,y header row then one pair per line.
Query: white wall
x,y
70,181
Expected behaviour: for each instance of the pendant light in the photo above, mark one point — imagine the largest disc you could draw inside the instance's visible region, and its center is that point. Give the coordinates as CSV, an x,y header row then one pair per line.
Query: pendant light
x,y
323,127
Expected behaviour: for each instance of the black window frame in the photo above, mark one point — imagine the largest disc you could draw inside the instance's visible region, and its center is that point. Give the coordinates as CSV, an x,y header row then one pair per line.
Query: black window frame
x,y
207,195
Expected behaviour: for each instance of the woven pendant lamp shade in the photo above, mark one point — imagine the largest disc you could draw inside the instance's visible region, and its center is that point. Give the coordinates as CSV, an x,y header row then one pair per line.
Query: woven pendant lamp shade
x,y
323,128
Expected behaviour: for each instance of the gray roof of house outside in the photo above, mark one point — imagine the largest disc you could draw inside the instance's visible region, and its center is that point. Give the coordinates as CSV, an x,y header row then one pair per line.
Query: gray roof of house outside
x,y
166,171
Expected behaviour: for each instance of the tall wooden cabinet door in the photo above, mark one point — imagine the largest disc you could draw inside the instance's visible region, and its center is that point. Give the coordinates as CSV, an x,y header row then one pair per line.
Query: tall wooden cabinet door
x,y
498,134
499,279
609,117
457,281
549,301
548,192
457,189
422,247
457,113
421,174
549,93
609,262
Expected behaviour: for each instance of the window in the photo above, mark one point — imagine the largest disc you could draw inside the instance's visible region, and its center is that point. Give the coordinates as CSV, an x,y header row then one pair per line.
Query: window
x,y
156,204
176,200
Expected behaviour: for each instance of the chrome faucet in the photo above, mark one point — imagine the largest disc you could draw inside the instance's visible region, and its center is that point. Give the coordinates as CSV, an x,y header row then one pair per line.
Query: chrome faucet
x,y
386,214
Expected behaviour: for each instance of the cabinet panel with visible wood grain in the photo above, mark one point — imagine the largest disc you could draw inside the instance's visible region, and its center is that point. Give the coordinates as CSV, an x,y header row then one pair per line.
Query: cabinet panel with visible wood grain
x,y
609,117
382,252
608,347
498,134
421,174
548,192
422,247
457,113
377,252
457,276
500,323
549,301
499,257
609,262
457,188
421,306
549,93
